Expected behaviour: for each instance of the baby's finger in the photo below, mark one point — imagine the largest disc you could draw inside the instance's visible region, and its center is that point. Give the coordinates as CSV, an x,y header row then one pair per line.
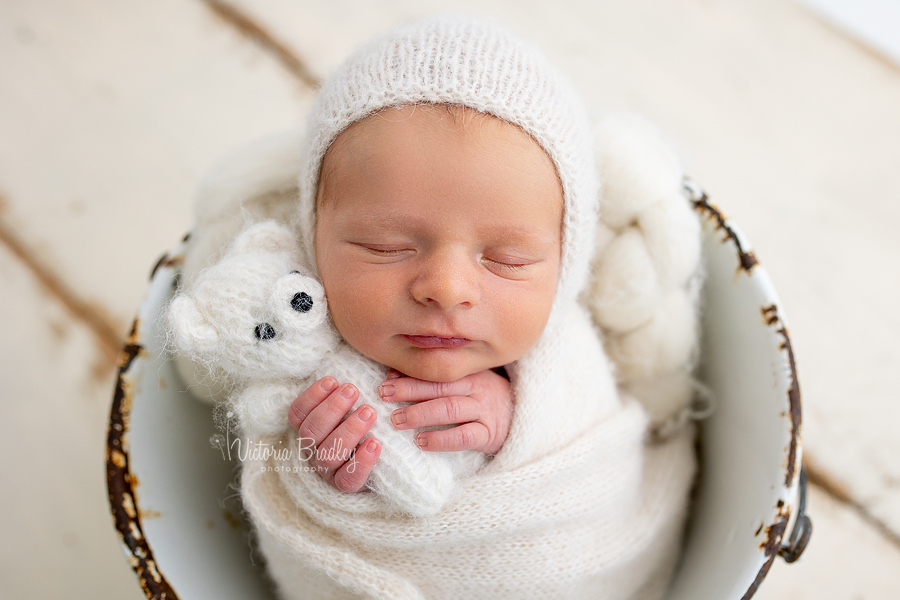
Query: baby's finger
x,y
408,389
335,450
309,399
352,476
325,417
452,410
470,436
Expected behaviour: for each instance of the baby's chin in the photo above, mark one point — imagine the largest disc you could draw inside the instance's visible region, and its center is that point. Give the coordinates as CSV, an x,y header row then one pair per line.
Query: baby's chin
x,y
440,371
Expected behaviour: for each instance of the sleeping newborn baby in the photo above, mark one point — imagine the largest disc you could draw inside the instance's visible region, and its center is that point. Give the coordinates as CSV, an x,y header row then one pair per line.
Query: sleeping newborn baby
x,y
448,203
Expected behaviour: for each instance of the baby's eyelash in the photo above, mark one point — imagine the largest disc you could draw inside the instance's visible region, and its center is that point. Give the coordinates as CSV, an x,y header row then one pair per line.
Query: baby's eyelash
x,y
384,251
512,266
508,265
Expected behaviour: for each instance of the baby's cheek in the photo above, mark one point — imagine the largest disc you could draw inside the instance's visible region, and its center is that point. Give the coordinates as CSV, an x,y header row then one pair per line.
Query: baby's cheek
x,y
525,318
523,332
360,311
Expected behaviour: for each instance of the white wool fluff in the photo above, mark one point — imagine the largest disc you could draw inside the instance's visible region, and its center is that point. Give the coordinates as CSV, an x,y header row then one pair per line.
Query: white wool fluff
x,y
645,282
637,169
625,291
672,234
603,237
668,394
256,284
662,345
257,183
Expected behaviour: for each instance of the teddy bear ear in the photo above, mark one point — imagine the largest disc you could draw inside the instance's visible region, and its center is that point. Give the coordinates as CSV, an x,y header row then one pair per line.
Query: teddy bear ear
x,y
192,332
270,236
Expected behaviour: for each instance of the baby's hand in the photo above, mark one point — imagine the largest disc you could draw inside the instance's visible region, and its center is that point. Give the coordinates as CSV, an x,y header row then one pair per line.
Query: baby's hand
x,y
318,415
480,405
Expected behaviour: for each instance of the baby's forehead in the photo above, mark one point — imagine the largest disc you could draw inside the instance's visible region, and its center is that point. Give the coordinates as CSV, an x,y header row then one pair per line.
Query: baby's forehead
x,y
429,119
362,142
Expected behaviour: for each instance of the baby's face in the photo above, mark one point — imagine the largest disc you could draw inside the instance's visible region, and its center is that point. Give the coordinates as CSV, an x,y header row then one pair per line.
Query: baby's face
x,y
438,240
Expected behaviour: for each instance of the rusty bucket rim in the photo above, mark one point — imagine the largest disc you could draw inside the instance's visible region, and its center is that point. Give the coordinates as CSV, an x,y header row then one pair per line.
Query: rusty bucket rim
x,y
120,481
778,542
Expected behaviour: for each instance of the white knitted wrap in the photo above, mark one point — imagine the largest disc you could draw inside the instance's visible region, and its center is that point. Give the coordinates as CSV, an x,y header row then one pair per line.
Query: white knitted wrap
x,y
575,505
462,61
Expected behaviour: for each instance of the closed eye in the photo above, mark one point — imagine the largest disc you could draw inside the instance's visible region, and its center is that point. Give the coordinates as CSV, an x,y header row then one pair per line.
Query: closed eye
x,y
511,267
385,251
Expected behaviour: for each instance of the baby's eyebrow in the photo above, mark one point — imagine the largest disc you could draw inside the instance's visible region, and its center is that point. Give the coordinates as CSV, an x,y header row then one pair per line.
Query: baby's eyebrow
x,y
386,220
500,235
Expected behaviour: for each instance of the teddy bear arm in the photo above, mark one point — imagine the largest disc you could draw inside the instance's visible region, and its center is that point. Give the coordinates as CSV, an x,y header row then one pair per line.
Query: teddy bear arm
x,y
261,409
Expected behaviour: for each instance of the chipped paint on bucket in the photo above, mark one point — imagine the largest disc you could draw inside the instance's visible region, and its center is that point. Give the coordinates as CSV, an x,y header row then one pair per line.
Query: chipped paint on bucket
x,y
750,448
122,484
179,530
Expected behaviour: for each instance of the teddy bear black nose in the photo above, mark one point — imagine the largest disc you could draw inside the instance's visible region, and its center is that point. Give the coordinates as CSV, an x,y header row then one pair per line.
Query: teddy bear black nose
x,y
264,331
302,302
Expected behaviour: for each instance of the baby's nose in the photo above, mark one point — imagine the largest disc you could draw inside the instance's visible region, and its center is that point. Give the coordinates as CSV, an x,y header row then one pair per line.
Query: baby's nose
x,y
447,279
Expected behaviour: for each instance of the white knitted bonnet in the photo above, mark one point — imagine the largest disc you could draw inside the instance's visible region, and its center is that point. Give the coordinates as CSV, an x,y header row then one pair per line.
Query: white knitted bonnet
x,y
474,63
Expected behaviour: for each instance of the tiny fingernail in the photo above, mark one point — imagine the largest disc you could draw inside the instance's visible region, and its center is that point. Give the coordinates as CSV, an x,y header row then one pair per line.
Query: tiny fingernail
x,y
386,390
328,384
366,413
392,374
398,417
349,392
421,441
371,445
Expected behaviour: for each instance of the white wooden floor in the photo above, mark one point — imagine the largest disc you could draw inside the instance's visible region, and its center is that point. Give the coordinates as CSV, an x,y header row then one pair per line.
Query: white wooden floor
x,y
111,112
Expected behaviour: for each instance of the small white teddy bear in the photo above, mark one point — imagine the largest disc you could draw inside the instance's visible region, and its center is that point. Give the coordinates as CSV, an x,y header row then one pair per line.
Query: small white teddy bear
x,y
257,322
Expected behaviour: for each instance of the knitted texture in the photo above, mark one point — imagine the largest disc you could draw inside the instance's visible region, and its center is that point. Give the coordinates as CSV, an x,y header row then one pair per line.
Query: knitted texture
x,y
254,320
574,506
259,182
462,61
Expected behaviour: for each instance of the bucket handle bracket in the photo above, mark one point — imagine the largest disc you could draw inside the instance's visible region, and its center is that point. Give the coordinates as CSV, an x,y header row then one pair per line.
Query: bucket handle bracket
x,y
803,528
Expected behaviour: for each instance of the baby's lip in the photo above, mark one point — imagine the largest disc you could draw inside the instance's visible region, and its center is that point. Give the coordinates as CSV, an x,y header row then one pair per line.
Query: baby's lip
x,y
436,341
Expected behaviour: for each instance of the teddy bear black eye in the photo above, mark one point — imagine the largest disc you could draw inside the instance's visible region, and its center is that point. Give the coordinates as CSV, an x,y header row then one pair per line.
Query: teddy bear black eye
x,y
264,331
302,302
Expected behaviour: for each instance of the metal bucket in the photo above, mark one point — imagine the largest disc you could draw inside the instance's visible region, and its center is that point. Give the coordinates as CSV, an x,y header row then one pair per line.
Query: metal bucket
x,y
179,518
